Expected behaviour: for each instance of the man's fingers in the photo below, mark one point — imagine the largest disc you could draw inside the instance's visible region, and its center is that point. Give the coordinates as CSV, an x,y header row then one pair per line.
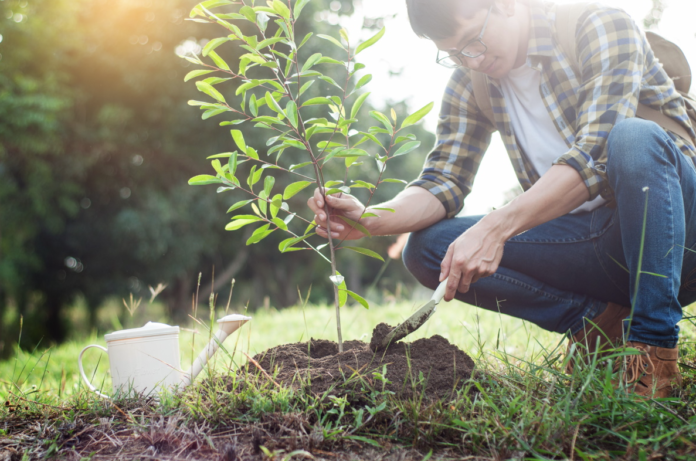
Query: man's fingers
x,y
446,263
452,284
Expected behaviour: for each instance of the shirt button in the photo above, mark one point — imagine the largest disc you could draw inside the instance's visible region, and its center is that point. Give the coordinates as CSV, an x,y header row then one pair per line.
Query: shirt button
x,y
562,124
545,89
508,132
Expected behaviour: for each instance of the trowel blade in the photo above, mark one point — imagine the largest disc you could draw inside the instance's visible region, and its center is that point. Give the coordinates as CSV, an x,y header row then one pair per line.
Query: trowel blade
x,y
411,324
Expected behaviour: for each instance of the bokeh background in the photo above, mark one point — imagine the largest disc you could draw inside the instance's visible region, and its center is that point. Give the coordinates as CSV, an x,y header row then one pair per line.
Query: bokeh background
x,y
97,143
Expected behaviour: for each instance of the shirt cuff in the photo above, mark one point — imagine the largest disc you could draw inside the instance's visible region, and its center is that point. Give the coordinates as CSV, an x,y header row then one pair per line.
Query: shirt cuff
x,y
593,175
447,192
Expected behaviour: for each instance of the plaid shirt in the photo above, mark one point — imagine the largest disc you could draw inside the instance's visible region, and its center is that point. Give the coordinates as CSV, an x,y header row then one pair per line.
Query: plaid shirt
x,y
618,69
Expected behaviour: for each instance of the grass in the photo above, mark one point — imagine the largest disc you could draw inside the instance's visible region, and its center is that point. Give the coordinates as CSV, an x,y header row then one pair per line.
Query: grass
x,y
520,405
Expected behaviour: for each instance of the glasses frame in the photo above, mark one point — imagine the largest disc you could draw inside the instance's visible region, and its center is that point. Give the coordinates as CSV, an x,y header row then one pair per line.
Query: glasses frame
x,y
443,60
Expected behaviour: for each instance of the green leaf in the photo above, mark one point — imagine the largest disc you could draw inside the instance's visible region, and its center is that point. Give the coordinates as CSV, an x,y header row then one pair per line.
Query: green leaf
x,y
406,148
248,13
392,210
247,86
316,101
311,61
400,139
355,225
332,40
239,205
304,40
268,120
369,136
281,8
212,113
214,43
262,21
300,165
273,104
276,204
364,184
287,243
365,252
291,113
203,179
380,117
196,73
417,115
280,223
364,80
253,106
358,104
369,215
239,140
344,34
218,60
218,167
251,152
259,234
331,81
369,42
362,301
305,87
269,41
223,155
210,91
394,180
327,60
298,7
268,185
342,289
294,188
239,223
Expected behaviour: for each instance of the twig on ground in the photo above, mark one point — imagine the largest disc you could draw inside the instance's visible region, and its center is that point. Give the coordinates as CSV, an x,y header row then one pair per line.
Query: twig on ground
x,y
256,364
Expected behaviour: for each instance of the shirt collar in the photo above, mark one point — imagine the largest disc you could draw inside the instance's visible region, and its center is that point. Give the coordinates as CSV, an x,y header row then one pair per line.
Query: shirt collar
x,y
540,41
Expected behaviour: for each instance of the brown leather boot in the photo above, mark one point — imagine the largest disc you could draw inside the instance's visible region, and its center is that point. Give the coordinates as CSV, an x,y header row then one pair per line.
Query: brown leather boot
x,y
607,328
653,372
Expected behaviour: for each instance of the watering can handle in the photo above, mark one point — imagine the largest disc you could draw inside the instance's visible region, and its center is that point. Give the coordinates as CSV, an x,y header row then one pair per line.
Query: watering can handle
x,y
82,371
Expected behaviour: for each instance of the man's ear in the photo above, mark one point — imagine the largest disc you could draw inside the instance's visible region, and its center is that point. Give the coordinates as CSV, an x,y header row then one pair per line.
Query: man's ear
x,y
506,7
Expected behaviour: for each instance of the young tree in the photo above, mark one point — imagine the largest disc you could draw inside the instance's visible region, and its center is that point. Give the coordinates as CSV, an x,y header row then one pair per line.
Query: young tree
x,y
274,76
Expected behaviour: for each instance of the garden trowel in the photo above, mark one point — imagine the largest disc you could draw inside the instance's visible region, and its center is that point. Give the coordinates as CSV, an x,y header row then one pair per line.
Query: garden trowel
x,y
416,320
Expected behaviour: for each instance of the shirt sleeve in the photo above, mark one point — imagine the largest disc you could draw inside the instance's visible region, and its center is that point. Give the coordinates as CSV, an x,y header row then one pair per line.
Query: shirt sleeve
x,y
463,135
611,51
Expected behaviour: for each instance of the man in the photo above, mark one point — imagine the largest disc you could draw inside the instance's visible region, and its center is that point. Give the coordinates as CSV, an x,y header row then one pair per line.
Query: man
x,y
570,249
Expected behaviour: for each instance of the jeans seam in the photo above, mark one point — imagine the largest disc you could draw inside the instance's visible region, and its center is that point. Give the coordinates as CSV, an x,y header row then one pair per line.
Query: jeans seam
x,y
529,287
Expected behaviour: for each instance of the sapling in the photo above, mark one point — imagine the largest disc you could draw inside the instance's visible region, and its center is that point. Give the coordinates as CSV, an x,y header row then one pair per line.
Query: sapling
x,y
272,78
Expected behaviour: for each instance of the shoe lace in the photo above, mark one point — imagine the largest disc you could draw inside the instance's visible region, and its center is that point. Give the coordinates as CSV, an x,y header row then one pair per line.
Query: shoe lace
x,y
636,366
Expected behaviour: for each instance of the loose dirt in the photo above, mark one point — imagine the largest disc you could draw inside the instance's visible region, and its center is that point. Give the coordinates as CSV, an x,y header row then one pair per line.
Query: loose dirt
x,y
431,363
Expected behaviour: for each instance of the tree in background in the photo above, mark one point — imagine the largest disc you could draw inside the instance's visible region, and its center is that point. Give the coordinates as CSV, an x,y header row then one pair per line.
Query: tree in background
x,y
96,146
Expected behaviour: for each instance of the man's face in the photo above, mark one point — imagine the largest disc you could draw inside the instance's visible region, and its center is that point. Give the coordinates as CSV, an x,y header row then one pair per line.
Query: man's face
x,y
501,37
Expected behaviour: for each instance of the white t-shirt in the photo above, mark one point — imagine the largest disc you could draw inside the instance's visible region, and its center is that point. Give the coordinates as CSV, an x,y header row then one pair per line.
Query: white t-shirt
x,y
532,124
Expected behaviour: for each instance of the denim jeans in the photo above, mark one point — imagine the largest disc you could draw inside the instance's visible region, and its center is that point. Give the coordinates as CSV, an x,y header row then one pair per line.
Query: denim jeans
x,y
561,273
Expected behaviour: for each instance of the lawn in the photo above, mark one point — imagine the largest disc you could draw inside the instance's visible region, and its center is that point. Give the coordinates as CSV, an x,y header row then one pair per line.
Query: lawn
x,y
520,405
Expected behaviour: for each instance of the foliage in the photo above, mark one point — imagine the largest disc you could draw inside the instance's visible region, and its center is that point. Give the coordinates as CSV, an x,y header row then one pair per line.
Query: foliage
x,y
273,76
96,146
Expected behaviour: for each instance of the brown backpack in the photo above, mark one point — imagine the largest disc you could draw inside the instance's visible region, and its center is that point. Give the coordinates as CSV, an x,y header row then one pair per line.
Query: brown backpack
x,y
669,54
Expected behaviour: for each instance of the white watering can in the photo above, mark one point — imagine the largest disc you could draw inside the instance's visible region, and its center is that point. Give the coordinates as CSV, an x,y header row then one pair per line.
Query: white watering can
x,y
147,358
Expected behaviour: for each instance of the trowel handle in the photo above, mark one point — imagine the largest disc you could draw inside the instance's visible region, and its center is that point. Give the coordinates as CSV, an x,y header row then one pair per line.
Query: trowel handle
x,y
440,291
84,376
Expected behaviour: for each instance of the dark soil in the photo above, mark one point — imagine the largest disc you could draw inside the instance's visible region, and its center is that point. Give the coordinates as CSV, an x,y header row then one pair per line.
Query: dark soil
x,y
317,366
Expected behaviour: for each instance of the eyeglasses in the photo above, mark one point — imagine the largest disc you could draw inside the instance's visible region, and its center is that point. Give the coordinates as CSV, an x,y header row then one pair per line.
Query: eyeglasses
x,y
473,49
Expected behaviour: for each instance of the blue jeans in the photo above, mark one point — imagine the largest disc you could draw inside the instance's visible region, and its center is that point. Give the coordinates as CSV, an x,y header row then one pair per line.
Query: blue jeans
x,y
565,271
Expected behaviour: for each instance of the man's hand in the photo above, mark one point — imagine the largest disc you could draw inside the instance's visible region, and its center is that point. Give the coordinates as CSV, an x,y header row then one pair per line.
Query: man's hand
x,y
473,255
345,205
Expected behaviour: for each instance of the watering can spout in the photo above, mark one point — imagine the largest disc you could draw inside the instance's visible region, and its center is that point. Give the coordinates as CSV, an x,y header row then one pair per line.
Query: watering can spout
x,y
228,325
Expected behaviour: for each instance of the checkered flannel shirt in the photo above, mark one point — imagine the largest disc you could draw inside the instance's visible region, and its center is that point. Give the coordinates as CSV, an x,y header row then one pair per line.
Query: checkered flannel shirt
x,y
618,69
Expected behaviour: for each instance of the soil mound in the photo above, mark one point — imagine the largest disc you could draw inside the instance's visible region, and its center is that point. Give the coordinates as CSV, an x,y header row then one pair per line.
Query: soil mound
x,y
430,363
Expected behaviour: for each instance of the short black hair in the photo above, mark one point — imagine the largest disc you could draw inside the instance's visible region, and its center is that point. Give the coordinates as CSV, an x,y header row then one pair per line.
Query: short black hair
x,y
435,19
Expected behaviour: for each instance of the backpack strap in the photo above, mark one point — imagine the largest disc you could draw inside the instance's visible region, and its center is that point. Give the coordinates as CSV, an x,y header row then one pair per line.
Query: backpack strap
x,y
482,95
